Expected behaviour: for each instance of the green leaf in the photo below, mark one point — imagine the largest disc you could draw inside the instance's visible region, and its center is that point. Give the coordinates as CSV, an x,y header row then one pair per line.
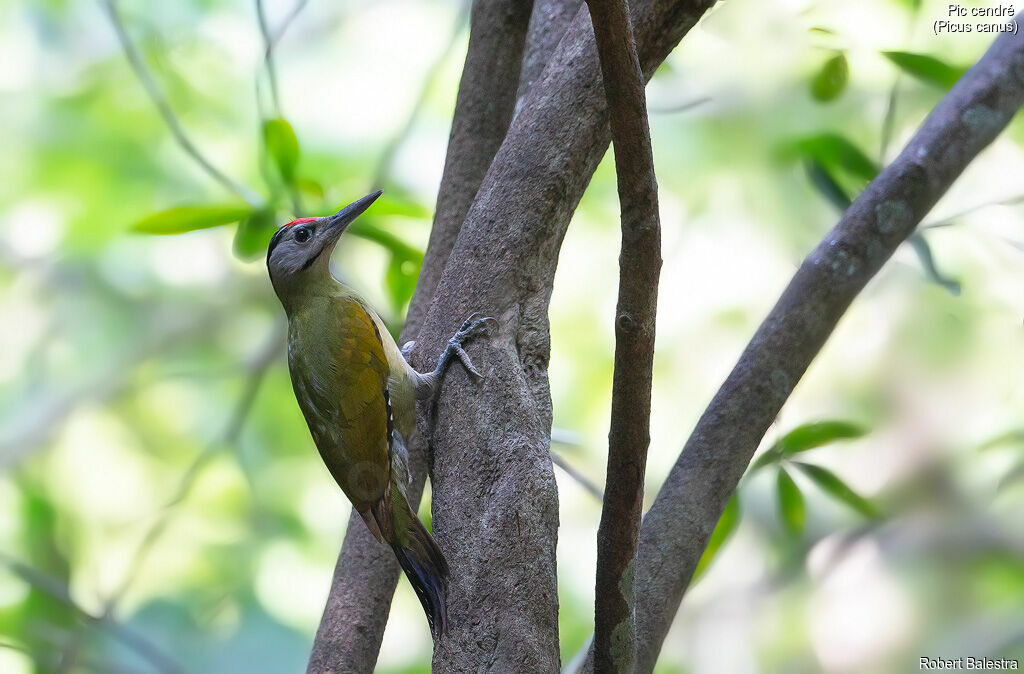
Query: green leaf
x,y
310,188
1016,474
723,529
770,456
791,503
827,185
924,254
1013,437
283,146
833,486
831,79
833,151
253,235
818,433
183,219
400,280
365,229
393,203
927,69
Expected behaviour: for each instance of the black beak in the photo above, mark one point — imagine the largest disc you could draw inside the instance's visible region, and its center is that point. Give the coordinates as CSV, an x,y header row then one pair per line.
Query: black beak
x,y
339,222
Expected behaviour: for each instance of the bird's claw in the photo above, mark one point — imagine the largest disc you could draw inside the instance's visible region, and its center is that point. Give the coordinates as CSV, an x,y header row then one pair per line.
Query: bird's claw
x,y
407,348
469,326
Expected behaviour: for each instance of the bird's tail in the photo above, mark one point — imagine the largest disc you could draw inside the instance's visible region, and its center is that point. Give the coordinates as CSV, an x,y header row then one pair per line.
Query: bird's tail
x,y
423,562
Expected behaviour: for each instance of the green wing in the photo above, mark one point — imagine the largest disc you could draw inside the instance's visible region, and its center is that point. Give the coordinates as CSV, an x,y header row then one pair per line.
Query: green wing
x,y
363,421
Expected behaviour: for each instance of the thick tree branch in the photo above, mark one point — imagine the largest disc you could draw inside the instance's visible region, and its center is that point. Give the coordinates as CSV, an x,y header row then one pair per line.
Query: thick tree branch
x,y
635,318
676,529
544,164
548,22
483,109
495,505
352,626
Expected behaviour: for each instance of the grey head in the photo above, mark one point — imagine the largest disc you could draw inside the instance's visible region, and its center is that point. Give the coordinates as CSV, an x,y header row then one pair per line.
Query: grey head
x,y
303,247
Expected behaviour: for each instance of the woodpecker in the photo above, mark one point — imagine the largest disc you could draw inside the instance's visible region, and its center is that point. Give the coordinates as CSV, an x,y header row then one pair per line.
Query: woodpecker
x,y
358,393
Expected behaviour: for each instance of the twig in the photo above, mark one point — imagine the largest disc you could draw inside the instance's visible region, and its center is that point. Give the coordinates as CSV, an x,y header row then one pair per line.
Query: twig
x,y
635,319
62,593
232,431
167,113
580,478
951,219
381,174
889,120
51,660
679,107
268,56
287,22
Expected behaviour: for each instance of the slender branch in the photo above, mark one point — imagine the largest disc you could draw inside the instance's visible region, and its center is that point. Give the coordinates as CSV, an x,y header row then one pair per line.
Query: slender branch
x,y
635,319
275,100
580,478
951,219
57,589
484,107
268,56
676,529
142,72
287,22
230,435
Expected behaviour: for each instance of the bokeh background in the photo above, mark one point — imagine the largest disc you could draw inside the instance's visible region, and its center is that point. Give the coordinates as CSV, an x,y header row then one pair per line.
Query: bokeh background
x,y
162,508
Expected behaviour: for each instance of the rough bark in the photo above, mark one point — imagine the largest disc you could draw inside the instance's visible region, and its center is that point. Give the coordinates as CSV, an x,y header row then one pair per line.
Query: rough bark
x,y
676,529
525,204
495,504
639,268
352,627
484,107
548,22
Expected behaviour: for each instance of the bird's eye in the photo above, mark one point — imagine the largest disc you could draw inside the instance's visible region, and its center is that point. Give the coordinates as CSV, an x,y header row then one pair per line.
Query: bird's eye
x,y
302,234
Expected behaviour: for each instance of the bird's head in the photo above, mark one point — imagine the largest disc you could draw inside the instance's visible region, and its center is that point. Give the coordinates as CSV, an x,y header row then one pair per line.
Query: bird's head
x,y
300,251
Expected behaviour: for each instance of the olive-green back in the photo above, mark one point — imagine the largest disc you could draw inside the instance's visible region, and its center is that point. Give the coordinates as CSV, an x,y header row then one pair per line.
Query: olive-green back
x,y
340,374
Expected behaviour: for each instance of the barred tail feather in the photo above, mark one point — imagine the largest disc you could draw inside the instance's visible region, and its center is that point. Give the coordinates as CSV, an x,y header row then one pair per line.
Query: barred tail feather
x,y
427,570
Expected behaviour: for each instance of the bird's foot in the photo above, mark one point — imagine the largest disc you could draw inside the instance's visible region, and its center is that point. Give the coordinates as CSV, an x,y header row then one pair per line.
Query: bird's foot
x,y
407,348
454,348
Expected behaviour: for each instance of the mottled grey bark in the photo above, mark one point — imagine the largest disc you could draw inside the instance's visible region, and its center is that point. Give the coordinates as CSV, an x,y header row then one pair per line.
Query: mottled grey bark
x,y
352,627
676,529
495,504
548,22
635,316
484,107
503,264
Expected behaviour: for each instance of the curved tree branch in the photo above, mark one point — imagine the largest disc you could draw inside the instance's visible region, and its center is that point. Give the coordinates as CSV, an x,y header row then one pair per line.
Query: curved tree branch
x,y
483,109
552,148
350,632
635,319
495,506
676,529
548,22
